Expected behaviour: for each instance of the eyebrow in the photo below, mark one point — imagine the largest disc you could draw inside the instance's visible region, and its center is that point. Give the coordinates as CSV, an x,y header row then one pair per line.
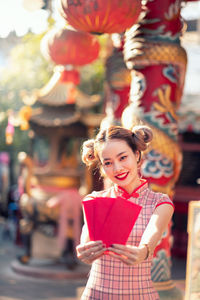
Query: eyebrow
x,y
119,154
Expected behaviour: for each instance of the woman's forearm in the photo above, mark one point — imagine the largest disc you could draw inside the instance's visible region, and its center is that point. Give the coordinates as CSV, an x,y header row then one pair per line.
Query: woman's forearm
x,y
156,226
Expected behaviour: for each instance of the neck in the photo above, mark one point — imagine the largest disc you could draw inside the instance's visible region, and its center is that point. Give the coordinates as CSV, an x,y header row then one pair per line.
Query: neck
x,y
134,186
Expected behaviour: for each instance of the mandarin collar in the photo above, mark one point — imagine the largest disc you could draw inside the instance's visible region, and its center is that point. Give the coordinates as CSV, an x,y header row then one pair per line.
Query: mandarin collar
x,y
136,192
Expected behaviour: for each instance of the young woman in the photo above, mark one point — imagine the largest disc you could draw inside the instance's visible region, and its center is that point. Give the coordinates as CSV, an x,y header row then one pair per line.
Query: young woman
x,y
123,272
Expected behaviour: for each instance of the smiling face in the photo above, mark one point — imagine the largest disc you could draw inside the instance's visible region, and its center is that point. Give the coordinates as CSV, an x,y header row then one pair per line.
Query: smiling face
x,y
119,163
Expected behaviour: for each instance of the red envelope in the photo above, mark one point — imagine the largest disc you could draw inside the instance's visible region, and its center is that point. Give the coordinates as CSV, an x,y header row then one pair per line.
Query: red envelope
x,y
110,219
120,222
103,207
96,211
89,210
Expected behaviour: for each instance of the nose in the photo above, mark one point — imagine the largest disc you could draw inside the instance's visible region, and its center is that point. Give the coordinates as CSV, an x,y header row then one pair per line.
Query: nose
x,y
117,167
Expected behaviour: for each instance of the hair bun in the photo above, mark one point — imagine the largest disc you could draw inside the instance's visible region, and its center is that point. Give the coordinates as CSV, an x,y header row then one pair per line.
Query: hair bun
x,y
142,135
88,156
148,134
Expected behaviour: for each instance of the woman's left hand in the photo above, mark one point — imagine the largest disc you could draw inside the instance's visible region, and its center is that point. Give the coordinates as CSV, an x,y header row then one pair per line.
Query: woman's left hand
x,y
128,254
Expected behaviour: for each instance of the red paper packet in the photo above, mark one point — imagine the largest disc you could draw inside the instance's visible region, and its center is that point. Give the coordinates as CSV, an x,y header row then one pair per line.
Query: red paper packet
x,y
110,219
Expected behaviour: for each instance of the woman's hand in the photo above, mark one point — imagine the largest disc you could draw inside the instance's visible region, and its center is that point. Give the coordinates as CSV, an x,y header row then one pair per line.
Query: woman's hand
x,y
90,251
128,254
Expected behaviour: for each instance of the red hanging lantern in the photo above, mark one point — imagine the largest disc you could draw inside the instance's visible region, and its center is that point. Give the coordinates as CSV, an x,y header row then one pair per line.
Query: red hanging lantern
x,y
100,16
70,47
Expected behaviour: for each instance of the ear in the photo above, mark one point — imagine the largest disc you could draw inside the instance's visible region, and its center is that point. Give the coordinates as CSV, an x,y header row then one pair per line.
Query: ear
x,y
138,156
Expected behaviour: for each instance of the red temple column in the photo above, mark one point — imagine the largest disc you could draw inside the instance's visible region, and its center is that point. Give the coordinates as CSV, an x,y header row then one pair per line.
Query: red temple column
x,y
153,53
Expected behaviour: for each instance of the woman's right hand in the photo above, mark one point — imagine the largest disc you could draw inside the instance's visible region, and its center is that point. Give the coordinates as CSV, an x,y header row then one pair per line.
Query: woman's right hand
x,y
90,251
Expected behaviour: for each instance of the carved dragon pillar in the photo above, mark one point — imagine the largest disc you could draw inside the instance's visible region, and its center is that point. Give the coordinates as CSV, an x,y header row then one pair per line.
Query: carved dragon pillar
x,y
153,53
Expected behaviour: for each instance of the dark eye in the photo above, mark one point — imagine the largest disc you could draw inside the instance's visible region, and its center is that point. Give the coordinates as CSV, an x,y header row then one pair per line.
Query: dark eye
x,y
107,163
123,157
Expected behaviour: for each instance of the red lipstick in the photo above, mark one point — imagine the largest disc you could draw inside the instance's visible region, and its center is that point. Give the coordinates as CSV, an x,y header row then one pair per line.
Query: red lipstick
x,y
121,176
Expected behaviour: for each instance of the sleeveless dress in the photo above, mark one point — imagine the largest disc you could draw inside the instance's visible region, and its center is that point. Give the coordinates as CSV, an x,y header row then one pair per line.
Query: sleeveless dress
x,y
111,279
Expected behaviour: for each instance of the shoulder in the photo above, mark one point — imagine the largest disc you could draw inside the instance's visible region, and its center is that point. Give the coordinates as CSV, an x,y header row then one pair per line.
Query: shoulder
x,y
160,198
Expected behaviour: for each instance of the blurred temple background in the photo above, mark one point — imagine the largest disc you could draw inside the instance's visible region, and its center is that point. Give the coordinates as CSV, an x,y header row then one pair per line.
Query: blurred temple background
x,y
57,87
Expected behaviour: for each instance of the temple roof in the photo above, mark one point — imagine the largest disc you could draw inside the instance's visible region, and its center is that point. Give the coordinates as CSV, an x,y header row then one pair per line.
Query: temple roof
x,y
54,116
58,93
64,116
61,104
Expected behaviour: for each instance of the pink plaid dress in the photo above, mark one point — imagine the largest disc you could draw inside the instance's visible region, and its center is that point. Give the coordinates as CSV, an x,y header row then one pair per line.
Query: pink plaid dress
x,y
111,279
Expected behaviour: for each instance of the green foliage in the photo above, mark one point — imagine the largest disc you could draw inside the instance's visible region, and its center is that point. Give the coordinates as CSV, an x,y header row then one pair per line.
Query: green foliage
x,y
27,70
93,75
3,124
21,141
92,78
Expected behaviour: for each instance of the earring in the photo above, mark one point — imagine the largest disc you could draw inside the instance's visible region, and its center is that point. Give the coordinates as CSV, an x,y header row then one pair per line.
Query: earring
x,y
139,157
